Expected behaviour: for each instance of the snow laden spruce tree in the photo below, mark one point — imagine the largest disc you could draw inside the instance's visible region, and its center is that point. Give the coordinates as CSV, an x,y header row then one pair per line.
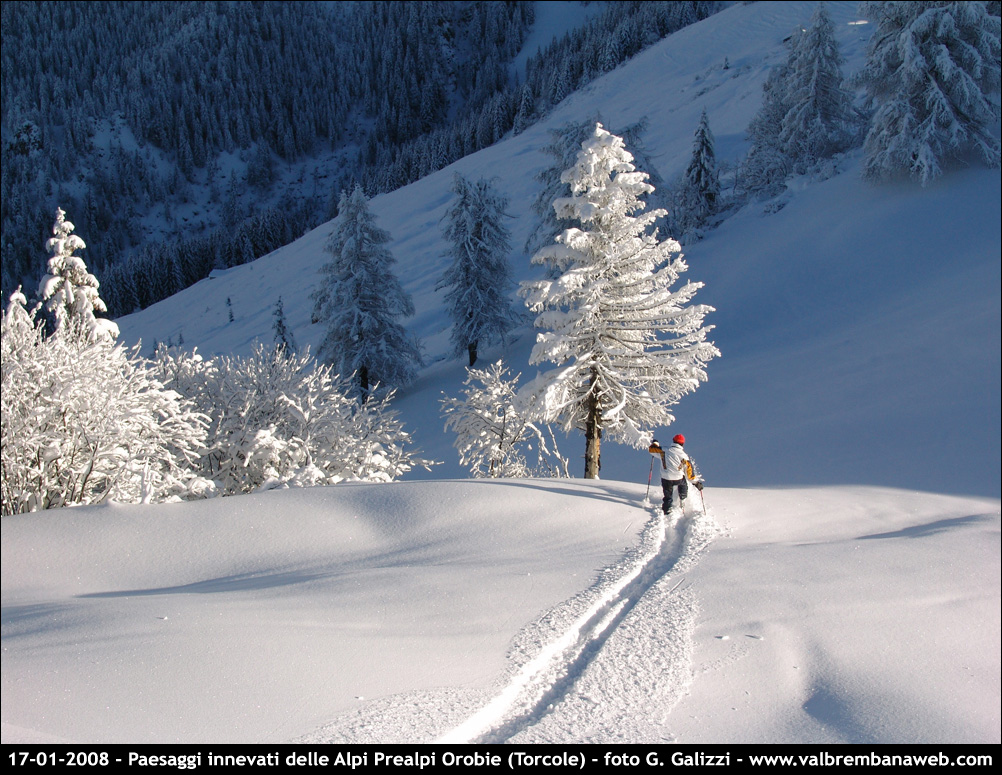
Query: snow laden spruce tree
x,y
284,338
625,345
479,278
806,115
359,300
565,143
819,121
766,167
699,193
932,81
68,290
493,435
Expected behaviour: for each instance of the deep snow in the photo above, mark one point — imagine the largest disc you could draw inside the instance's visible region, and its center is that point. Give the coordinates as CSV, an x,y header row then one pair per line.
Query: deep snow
x,y
462,610
860,335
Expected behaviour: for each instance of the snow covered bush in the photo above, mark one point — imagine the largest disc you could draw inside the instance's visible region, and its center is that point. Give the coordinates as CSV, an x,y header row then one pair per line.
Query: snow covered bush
x,y
279,419
932,79
85,421
625,344
492,432
69,291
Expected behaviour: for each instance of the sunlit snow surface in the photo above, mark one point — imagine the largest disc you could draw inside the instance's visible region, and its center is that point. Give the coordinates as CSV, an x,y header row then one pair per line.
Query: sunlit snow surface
x,y
505,611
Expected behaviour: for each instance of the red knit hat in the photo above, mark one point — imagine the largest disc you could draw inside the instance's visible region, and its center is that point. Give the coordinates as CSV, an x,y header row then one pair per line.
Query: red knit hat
x,y
679,438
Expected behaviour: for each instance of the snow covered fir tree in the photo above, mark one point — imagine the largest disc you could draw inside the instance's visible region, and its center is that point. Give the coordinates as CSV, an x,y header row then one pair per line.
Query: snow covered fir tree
x,y
203,502
359,301
284,338
932,80
565,143
625,344
563,148
479,279
819,120
699,194
806,114
766,165
69,291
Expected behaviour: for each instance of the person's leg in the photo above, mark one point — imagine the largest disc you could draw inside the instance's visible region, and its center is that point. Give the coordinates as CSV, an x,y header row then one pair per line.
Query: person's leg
x,y
668,485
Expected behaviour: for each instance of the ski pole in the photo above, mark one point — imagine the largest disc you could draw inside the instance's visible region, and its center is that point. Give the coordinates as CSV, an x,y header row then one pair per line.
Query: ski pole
x,y
647,495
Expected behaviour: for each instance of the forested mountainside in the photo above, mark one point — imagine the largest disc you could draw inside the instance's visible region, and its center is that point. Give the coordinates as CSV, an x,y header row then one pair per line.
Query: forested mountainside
x,y
191,136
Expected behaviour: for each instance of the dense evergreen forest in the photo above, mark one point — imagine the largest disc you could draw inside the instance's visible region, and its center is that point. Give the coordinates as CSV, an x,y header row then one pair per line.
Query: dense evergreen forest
x,y
197,136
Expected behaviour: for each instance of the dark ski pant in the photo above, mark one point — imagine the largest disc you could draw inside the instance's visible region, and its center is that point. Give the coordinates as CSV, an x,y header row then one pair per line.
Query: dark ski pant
x,y
667,485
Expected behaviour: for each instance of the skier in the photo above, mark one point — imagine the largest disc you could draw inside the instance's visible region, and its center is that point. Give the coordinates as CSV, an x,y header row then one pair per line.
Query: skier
x,y
676,471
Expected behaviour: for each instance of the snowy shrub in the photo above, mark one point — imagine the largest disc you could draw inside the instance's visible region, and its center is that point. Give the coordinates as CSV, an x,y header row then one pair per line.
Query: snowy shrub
x,y
492,432
86,421
278,419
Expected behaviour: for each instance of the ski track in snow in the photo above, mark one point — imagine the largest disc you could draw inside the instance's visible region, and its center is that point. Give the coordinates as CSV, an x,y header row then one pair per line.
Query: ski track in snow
x,y
612,660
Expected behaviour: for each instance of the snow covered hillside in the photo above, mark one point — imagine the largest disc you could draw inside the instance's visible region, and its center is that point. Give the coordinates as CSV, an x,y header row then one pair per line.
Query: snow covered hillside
x,y
843,586
859,325
463,610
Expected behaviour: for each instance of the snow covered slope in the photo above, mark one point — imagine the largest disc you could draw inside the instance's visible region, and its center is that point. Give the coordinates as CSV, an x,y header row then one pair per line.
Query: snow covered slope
x,y
522,611
859,325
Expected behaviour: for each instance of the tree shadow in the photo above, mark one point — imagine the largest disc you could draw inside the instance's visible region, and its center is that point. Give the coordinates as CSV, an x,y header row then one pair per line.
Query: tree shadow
x,y
931,528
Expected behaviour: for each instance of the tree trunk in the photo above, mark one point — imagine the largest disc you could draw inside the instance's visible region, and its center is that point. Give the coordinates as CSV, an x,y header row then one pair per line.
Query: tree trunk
x,y
363,381
593,433
471,348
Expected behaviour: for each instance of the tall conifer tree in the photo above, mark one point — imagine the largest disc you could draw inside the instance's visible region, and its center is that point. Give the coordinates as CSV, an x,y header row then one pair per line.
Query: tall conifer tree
x,y
479,278
819,115
625,345
701,185
932,78
360,300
